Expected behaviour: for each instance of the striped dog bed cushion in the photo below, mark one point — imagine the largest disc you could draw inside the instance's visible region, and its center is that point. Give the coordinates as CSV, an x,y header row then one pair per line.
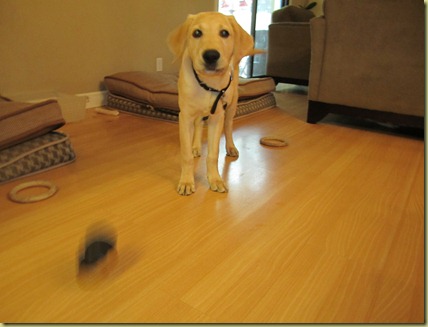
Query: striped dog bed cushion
x,y
155,95
39,154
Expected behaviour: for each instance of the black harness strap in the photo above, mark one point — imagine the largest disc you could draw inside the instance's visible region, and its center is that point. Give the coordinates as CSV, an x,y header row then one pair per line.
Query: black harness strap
x,y
208,88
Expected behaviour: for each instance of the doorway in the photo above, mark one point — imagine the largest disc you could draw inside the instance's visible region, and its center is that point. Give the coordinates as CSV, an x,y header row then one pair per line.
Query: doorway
x,y
254,16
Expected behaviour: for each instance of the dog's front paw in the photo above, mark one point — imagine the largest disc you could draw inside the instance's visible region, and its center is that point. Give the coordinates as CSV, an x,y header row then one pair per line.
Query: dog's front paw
x,y
217,185
232,151
186,188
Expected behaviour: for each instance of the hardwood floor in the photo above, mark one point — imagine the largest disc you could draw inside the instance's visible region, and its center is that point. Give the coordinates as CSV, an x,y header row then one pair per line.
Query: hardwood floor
x,y
327,229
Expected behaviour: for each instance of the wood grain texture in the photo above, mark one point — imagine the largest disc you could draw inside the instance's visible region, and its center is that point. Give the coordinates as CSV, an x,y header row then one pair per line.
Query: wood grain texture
x,y
327,229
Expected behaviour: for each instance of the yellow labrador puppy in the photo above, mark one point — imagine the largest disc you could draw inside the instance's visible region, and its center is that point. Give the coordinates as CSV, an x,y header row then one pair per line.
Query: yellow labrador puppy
x,y
210,46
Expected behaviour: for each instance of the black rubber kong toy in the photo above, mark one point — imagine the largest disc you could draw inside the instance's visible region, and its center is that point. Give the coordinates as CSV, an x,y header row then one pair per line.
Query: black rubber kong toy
x,y
99,241
95,251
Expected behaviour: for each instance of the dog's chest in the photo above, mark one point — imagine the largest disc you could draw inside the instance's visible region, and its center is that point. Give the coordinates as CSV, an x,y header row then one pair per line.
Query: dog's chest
x,y
204,102
216,101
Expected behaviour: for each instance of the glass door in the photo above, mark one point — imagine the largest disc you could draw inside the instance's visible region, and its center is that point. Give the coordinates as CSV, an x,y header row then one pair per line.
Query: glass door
x,y
254,16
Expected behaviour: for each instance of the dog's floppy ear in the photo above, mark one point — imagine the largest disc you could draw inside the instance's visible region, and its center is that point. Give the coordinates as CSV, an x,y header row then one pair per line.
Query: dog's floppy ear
x,y
177,38
244,43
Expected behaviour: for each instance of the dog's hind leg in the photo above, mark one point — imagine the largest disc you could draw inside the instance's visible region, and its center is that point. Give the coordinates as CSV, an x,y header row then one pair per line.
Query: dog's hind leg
x,y
215,126
231,149
197,138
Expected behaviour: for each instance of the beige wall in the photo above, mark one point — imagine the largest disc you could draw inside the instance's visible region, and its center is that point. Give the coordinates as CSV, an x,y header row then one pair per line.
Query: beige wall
x,y
70,45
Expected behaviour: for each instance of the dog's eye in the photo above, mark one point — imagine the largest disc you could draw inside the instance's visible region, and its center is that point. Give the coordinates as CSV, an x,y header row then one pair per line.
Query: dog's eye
x,y
224,33
197,33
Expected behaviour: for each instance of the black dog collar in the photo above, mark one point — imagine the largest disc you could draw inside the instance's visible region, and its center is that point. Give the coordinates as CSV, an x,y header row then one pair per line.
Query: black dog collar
x,y
208,88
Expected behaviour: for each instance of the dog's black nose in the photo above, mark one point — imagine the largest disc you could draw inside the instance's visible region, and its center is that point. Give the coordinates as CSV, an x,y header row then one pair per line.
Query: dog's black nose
x,y
211,56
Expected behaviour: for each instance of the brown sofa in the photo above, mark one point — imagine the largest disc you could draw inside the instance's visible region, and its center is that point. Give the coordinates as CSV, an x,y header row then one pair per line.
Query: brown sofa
x,y
289,46
368,60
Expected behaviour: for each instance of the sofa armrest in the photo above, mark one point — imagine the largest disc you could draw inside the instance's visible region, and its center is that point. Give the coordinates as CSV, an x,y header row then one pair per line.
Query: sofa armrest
x,y
369,54
289,50
317,56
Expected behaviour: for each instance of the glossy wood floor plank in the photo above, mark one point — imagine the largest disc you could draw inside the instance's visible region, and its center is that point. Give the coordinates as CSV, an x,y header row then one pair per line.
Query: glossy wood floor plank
x,y
327,229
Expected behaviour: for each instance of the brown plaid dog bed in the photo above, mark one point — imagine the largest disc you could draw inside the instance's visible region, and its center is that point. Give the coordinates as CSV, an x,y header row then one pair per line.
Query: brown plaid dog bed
x,y
36,155
156,94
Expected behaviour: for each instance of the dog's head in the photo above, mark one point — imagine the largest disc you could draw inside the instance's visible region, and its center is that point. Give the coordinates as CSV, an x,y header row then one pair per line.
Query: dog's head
x,y
212,40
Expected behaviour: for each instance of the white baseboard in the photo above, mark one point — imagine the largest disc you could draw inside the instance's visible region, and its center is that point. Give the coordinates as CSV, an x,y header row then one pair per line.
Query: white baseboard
x,y
94,99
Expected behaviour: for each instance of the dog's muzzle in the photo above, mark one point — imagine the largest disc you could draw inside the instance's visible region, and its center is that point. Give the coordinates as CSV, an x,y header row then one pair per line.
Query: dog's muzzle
x,y
211,58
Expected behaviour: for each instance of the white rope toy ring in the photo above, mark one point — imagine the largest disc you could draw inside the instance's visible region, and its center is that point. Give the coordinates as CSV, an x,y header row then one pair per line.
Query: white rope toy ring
x,y
273,141
14,196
